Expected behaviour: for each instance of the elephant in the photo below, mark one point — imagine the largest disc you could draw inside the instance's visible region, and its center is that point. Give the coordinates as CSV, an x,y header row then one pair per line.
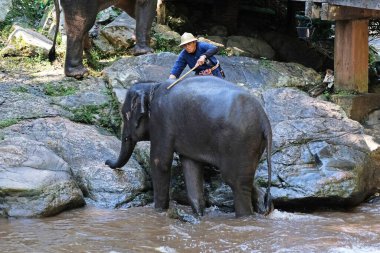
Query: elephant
x,y
80,16
207,121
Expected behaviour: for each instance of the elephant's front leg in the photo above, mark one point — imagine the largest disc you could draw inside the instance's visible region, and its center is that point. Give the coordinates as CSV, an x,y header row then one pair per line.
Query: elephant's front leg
x,y
161,160
194,184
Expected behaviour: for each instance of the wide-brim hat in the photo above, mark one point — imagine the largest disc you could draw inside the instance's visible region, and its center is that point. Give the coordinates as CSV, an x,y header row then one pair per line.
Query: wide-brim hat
x,y
187,38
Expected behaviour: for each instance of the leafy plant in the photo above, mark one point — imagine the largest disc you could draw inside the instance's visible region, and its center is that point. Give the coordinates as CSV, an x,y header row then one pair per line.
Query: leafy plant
x,y
56,90
28,11
166,45
8,122
106,116
20,89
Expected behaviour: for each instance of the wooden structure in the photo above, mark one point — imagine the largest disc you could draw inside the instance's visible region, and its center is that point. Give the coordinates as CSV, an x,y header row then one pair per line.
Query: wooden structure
x,y
351,37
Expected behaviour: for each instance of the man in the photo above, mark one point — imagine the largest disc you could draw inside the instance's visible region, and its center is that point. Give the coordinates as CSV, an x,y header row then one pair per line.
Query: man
x,y
196,53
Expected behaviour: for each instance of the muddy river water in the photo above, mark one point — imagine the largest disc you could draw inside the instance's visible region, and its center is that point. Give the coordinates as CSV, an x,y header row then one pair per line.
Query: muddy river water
x,y
141,229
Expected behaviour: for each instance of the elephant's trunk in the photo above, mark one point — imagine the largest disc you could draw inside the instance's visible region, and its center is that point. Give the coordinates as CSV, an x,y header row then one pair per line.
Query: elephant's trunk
x,y
126,151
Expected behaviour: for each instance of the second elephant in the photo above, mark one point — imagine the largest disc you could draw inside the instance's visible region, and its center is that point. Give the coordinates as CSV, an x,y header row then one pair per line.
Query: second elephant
x,y
80,16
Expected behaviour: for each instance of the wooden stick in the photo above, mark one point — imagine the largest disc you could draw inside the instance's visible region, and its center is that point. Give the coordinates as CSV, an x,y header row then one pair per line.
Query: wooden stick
x,y
179,79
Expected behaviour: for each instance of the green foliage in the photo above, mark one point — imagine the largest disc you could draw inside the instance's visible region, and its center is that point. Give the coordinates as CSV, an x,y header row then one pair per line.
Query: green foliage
x,y
223,52
8,122
345,92
24,64
96,61
106,116
29,11
373,55
93,59
20,89
86,114
33,10
166,45
56,90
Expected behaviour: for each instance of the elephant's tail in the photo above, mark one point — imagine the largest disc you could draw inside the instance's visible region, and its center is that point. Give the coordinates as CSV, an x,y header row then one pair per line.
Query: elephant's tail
x,y
268,198
57,17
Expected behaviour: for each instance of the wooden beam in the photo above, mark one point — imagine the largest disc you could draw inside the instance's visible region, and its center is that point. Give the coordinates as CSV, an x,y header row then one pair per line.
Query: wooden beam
x,y
365,4
351,55
335,12
161,12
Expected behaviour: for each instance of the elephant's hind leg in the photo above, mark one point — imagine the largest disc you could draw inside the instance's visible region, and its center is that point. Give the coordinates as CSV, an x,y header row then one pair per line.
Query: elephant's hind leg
x,y
240,179
193,173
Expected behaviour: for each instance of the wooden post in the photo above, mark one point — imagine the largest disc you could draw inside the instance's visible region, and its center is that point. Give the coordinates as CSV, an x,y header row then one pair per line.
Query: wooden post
x,y
161,12
351,55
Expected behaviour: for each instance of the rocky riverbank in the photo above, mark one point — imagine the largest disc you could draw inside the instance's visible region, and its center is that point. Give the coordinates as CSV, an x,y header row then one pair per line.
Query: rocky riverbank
x,y
50,160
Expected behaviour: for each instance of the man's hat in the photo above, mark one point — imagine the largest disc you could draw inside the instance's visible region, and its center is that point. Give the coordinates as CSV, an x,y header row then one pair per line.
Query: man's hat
x,y
187,38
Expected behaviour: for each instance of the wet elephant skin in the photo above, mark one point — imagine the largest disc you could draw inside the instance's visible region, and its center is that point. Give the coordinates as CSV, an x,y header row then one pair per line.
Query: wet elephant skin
x,y
206,120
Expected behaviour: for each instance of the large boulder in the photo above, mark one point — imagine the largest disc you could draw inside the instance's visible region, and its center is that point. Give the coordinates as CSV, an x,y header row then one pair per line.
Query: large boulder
x,y
26,42
243,71
121,32
250,47
85,150
34,180
321,158
291,49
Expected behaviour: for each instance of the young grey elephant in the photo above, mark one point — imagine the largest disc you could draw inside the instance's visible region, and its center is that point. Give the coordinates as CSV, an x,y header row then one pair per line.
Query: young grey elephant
x,y
206,120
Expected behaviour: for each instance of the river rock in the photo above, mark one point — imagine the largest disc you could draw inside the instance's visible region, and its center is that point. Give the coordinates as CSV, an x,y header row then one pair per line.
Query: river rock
x,y
291,49
6,5
247,46
243,71
121,32
16,102
85,150
34,180
26,42
166,39
320,156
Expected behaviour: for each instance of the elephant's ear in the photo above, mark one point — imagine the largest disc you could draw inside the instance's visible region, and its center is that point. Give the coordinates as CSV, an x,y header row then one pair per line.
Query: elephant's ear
x,y
141,110
143,103
139,98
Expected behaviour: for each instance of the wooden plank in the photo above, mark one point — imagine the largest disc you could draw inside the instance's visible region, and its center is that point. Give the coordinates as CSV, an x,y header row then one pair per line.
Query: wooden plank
x,y
366,4
335,12
315,1
351,55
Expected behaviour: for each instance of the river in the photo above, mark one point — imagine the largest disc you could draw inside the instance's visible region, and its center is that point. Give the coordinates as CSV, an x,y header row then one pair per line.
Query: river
x,y
141,229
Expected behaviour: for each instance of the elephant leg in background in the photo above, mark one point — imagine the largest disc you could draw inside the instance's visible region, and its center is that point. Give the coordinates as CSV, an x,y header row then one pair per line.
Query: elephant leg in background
x,y
193,173
78,22
161,158
145,13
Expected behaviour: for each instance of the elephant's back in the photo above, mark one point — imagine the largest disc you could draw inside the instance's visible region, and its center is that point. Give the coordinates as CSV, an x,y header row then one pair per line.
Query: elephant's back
x,y
210,98
204,88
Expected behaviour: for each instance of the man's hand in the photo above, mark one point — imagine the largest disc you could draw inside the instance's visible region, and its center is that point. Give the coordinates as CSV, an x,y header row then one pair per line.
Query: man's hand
x,y
172,77
201,60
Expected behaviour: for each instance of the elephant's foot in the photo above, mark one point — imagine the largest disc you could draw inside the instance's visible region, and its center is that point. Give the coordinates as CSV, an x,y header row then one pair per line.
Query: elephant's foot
x,y
140,50
76,72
